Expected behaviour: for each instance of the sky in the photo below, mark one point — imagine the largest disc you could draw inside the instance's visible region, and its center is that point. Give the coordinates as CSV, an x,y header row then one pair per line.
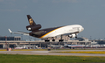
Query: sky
x,y
52,13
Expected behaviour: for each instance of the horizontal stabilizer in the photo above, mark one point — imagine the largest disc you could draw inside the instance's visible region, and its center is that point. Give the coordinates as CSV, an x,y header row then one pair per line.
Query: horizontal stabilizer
x,y
10,31
23,33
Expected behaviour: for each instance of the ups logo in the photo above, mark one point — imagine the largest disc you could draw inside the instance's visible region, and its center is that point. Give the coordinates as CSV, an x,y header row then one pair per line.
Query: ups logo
x,y
31,21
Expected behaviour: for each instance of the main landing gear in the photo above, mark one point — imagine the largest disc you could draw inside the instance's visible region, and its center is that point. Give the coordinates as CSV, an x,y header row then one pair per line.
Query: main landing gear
x,y
61,40
53,39
47,40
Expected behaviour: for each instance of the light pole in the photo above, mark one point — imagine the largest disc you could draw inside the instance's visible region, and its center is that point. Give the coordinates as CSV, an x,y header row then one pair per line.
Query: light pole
x,y
6,43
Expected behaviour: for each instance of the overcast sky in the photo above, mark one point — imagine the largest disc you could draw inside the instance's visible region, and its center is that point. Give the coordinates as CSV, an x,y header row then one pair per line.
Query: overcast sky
x,y
51,13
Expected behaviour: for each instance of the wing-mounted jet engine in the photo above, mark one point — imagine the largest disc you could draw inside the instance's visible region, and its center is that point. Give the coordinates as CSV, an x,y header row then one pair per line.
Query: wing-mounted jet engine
x,y
72,35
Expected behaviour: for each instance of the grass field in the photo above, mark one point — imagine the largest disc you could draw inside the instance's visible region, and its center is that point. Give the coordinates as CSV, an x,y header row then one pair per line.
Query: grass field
x,y
9,58
25,50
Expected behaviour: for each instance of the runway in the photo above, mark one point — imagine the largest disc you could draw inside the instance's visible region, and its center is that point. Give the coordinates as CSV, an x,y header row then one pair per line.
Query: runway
x,y
49,53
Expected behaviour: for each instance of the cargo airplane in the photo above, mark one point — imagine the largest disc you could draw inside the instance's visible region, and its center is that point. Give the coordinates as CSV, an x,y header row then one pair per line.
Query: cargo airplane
x,y
69,30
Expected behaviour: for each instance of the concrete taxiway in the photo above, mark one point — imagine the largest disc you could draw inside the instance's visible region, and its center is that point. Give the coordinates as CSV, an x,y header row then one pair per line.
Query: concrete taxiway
x,y
49,53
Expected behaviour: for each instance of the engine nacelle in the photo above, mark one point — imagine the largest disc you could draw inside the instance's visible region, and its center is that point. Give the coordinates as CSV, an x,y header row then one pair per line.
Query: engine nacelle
x,y
32,28
72,35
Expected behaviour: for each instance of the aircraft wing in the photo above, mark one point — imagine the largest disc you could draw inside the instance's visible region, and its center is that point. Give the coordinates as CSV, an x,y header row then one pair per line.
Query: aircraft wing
x,y
23,33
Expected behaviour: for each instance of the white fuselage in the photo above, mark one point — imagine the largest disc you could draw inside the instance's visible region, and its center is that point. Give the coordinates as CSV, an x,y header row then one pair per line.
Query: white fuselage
x,y
69,29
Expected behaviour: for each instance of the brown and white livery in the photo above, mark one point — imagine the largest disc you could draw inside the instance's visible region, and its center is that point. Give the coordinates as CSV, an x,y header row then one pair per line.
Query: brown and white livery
x,y
36,31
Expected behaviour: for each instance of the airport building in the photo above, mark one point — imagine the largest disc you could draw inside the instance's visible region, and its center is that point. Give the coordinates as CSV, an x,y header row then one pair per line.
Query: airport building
x,y
16,41
3,38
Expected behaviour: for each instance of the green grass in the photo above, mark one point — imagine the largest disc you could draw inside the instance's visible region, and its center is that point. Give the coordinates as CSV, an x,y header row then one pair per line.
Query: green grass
x,y
29,50
25,50
9,58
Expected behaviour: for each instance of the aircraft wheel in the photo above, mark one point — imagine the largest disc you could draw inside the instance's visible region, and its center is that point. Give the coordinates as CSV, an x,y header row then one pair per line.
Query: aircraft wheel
x,y
76,37
61,40
47,40
53,40
70,47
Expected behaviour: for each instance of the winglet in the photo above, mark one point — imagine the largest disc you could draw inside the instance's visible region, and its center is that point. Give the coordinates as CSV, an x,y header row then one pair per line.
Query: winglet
x,y
10,31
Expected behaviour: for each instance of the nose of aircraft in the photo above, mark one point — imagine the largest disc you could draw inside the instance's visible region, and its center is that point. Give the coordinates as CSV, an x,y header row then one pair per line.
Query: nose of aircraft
x,y
82,29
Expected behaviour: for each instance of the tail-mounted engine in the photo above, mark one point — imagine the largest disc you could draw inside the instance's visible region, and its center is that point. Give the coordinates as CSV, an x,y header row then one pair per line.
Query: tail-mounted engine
x,y
33,28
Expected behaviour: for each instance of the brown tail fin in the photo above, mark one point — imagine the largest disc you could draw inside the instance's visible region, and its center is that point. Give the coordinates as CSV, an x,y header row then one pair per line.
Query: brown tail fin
x,y
31,21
